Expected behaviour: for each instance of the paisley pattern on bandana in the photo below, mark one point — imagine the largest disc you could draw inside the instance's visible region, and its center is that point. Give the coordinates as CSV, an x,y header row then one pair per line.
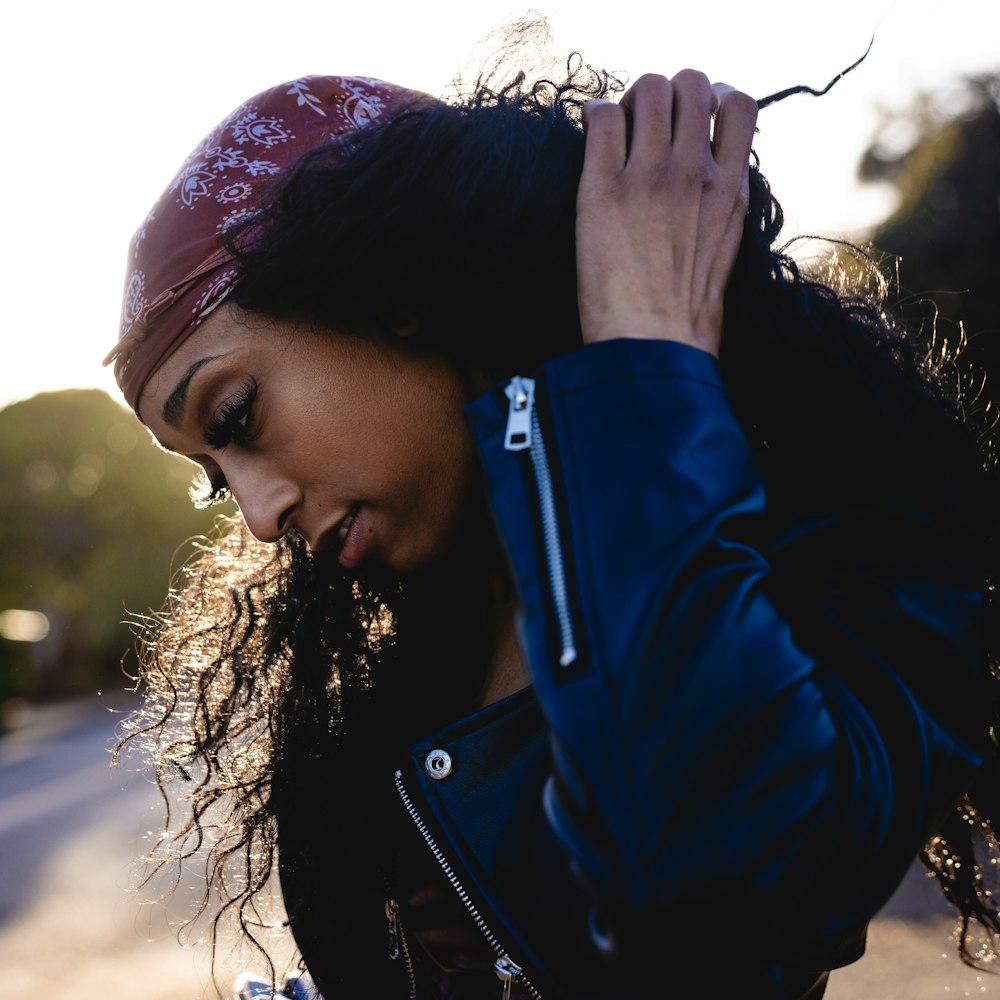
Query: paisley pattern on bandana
x,y
178,268
201,177
305,97
363,104
265,131
135,298
233,217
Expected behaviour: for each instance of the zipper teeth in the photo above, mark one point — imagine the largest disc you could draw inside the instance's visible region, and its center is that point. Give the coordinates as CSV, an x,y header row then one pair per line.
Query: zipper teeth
x,y
400,936
449,873
553,551
407,960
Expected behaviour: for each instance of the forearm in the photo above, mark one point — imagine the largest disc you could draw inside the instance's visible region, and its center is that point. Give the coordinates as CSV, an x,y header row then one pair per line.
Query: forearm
x,y
693,724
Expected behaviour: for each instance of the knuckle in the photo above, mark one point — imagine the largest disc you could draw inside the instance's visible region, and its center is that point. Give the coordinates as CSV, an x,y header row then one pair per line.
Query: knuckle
x,y
693,78
651,80
697,170
652,87
602,112
599,192
740,103
682,179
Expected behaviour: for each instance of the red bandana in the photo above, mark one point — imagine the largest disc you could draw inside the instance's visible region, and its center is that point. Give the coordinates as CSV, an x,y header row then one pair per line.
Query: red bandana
x,y
178,271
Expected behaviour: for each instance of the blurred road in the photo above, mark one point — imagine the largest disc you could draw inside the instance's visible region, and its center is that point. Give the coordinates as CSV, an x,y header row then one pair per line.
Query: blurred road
x,y
911,953
70,828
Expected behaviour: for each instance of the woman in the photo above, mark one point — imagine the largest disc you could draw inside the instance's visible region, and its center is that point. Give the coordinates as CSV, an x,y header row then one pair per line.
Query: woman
x,y
623,594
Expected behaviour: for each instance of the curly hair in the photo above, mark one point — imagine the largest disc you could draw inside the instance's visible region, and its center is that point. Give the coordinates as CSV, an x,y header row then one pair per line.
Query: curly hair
x,y
269,661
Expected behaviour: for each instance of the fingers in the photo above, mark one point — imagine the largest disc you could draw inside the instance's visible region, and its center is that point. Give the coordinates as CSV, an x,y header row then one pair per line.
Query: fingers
x,y
604,152
661,208
735,126
649,103
669,115
692,116
674,116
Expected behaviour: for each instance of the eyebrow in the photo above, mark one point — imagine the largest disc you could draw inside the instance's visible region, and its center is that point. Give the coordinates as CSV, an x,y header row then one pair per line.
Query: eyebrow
x,y
173,408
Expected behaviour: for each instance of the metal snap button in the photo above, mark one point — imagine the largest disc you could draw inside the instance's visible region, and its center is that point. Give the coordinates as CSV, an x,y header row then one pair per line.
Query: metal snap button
x,y
438,764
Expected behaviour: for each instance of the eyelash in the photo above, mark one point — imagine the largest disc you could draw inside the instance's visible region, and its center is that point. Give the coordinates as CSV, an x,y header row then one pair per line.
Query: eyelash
x,y
233,424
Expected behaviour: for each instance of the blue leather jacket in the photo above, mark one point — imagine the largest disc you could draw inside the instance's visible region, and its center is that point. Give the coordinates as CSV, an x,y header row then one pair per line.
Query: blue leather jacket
x,y
737,738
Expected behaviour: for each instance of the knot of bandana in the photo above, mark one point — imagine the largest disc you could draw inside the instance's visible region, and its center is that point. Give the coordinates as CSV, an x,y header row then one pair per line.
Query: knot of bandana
x,y
178,268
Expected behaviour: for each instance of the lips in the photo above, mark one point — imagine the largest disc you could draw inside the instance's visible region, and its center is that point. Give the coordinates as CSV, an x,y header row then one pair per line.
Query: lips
x,y
345,526
332,539
351,539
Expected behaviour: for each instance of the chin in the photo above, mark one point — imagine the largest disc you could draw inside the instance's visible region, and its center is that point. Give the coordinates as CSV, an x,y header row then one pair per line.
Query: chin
x,y
423,555
411,562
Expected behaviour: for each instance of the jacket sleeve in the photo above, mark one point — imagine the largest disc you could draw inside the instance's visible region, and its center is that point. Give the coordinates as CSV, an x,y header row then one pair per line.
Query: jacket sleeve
x,y
740,705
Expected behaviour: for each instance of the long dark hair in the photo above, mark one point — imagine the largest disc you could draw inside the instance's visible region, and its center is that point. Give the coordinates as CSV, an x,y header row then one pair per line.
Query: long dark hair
x,y
458,217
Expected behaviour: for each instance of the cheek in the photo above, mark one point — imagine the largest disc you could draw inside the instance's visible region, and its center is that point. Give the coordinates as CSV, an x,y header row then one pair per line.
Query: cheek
x,y
446,472
441,439
394,432
426,460
324,436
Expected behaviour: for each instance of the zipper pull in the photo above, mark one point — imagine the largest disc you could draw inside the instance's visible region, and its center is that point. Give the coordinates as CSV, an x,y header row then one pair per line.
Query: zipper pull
x,y
507,971
392,915
521,393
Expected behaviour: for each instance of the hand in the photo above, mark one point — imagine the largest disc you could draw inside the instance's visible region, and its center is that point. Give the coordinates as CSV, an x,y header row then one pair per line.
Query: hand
x,y
660,211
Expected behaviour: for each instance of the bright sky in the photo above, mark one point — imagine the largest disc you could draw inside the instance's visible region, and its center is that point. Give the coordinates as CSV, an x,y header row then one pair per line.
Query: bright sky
x,y
103,100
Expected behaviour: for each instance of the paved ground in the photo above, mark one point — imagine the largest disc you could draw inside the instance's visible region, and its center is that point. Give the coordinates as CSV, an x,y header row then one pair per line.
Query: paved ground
x,y
70,829
69,930
912,955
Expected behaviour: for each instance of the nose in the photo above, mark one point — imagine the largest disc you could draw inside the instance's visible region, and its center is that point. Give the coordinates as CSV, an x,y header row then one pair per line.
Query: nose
x,y
268,498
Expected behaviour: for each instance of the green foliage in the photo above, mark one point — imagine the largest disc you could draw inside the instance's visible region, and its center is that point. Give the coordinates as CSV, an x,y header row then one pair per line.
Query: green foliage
x,y
92,518
943,157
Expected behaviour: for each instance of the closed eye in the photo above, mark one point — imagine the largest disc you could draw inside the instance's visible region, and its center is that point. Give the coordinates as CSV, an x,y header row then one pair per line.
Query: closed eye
x,y
233,423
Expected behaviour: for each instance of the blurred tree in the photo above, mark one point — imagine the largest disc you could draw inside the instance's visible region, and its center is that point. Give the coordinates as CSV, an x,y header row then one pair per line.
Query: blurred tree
x,y
92,514
942,155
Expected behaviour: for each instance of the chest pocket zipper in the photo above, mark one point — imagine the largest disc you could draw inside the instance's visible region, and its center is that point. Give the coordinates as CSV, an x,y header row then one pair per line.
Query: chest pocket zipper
x,y
507,971
398,947
524,432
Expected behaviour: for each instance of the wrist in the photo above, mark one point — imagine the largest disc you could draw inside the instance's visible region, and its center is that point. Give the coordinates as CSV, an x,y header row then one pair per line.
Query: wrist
x,y
681,333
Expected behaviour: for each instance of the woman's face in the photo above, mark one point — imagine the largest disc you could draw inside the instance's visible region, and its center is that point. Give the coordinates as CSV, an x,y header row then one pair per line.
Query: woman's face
x,y
359,444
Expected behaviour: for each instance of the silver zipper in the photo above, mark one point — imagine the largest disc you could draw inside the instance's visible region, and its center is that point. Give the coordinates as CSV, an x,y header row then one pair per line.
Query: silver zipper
x,y
524,431
507,971
506,968
398,945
